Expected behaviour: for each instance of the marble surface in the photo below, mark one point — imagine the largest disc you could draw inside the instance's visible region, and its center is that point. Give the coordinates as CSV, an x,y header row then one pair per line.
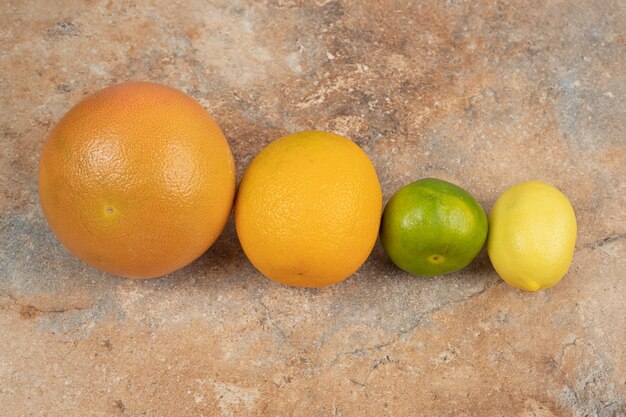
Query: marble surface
x,y
481,93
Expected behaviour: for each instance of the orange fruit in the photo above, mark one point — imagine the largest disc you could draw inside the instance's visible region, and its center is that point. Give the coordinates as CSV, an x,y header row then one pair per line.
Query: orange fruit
x,y
308,209
137,180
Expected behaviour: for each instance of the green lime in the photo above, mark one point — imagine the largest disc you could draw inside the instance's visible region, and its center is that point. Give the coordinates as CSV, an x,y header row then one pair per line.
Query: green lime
x,y
432,227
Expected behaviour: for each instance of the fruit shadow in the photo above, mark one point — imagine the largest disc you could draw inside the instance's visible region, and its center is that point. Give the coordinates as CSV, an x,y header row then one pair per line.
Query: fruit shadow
x,y
225,265
224,262
379,267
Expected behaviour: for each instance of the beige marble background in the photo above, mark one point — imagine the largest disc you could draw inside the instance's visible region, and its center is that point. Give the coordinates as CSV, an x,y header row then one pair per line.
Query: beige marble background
x,y
482,93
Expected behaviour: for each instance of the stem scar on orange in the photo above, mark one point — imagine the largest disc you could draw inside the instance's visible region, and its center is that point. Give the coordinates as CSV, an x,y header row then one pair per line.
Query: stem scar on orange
x,y
137,180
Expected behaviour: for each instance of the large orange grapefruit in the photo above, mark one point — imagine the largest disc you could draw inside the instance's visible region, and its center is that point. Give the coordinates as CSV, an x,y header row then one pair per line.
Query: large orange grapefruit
x,y
137,180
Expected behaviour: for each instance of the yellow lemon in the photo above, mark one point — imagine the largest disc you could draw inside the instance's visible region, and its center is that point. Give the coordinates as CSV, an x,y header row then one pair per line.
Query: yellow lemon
x,y
308,209
532,234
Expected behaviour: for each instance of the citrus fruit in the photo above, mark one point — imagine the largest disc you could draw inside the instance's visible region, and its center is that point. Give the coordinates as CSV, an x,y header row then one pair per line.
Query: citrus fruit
x,y
432,227
532,234
137,180
308,209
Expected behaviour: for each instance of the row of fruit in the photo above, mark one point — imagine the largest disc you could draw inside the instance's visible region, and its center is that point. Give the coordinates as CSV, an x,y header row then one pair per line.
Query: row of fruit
x,y
138,180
